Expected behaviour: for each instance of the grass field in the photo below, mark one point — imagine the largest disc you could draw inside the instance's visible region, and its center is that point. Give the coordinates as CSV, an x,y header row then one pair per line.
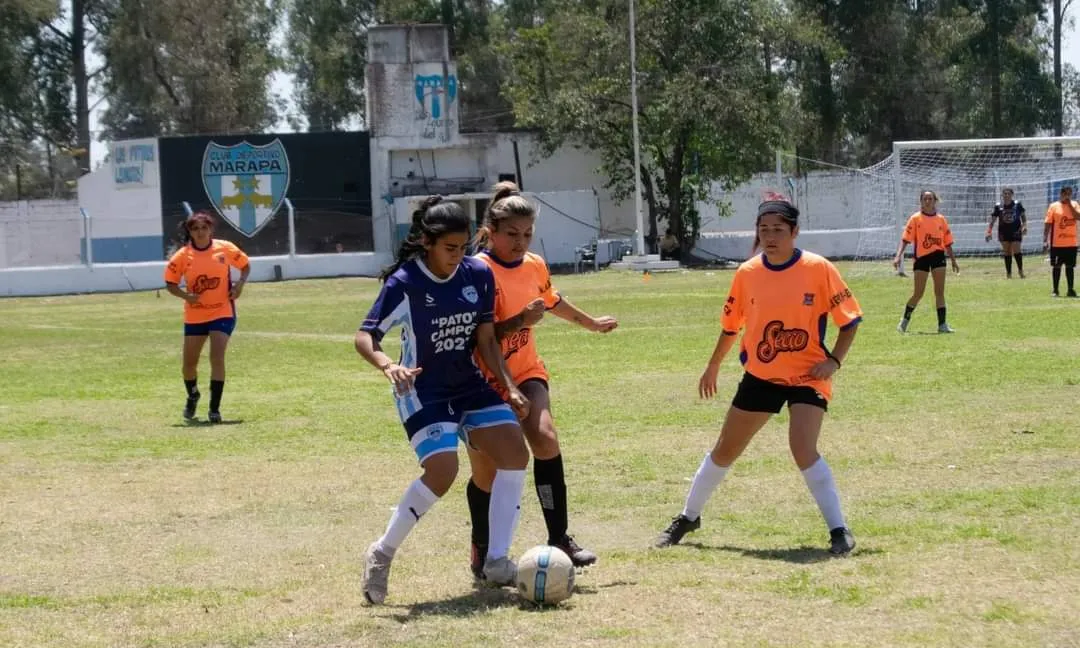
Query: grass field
x,y
957,458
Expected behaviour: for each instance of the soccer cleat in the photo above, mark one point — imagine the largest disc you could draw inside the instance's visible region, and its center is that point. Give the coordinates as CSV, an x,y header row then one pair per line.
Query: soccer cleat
x,y
580,556
476,560
680,526
1071,293
214,417
1055,294
190,405
376,575
841,540
500,571
945,328
902,326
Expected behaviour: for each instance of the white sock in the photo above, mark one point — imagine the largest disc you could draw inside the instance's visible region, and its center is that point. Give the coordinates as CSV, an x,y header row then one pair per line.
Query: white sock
x,y
504,511
819,480
706,479
416,501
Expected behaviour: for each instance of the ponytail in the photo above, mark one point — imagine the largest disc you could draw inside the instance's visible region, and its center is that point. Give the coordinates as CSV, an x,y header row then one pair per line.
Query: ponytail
x,y
506,202
430,221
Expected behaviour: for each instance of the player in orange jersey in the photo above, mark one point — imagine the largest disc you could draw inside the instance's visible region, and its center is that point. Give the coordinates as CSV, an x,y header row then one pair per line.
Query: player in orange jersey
x,y
783,298
1059,236
523,292
209,296
928,232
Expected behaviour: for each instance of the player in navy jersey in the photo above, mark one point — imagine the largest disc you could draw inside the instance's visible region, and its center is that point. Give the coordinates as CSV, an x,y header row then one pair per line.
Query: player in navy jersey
x,y
444,303
1012,225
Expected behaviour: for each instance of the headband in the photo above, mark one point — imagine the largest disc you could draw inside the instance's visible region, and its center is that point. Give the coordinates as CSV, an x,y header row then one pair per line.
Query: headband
x,y
784,208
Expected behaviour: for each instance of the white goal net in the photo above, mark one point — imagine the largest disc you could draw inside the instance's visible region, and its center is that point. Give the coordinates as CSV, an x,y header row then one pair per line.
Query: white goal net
x,y
967,176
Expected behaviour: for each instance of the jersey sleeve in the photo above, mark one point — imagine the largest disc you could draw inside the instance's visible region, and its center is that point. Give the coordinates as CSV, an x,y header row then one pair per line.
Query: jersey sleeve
x,y
391,308
909,230
548,293
734,316
946,233
486,279
842,305
1020,211
1049,215
176,267
236,257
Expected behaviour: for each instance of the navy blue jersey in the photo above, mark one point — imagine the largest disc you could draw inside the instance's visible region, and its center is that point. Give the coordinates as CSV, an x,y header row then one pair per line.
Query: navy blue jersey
x,y
1010,218
438,320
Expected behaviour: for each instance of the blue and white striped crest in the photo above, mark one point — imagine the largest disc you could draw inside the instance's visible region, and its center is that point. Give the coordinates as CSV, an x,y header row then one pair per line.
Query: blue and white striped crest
x,y
246,183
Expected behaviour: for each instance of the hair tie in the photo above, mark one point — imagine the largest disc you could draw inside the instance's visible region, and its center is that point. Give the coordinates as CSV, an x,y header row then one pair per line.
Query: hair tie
x,y
784,208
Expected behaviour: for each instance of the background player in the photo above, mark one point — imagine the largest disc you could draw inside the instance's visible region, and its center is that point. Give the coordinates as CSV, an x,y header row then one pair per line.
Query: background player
x,y
1059,236
1012,226
929,233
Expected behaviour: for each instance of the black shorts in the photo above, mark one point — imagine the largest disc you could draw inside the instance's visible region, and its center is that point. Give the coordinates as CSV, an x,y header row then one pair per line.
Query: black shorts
x,y
1063,256
1010,237
757,395
928,262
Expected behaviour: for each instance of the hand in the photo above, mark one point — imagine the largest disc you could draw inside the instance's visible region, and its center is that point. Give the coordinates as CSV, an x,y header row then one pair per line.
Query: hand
x,y
603,324
237,288
896,262
532,313
401,377
988,237
191,298
824,369
519,403
707,384
1046,245
955,267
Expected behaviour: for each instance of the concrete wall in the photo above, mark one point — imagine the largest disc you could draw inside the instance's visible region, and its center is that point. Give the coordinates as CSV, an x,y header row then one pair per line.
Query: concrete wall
x,y
40,232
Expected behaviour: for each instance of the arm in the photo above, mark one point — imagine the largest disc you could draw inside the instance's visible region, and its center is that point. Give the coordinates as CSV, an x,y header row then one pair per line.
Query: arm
x,y
491,353
990,225
567,311
825,369
176,291
952,258
529,316
899,253
1047,228
707,383
238,287
370,350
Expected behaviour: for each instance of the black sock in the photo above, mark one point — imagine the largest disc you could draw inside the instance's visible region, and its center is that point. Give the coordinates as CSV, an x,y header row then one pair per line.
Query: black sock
x,y
192,388
1008,264
551,489
479,503
216,387
941,315
908,310
1019,261
1055,275
1069,278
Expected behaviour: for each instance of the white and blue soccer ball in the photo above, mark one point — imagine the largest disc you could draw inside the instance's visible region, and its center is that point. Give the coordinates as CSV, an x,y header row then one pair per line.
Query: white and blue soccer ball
x,y
545,575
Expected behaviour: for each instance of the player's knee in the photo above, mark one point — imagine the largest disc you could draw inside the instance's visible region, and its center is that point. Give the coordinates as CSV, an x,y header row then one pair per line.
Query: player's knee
x,y
440,472
544,441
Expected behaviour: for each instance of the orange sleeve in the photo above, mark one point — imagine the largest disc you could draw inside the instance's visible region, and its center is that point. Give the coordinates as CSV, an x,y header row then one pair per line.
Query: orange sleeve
x,y
177,266
1049,214
843,306
947,237
236,256
550,296
734,316
909,230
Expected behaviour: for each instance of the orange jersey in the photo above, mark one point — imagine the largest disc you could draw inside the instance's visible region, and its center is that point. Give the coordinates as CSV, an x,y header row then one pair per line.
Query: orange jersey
x,y
517,284
928,233
785,311
206,273
1062,222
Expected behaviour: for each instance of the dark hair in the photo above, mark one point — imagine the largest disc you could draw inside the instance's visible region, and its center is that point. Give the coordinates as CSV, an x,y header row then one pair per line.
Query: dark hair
x,y
775,203
506,202
430,222
928,191
201,216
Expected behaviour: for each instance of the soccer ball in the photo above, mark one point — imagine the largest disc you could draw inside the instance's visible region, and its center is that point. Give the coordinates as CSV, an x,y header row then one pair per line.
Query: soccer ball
x,y
545,575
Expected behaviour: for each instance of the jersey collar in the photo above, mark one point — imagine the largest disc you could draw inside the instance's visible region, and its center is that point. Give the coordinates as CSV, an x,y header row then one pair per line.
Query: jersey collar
x,y
505,264
431,275
795,256
202,249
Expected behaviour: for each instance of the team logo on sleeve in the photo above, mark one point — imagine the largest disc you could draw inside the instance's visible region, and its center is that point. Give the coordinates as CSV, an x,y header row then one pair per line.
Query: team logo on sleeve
x,y
808,299
776,339
470,294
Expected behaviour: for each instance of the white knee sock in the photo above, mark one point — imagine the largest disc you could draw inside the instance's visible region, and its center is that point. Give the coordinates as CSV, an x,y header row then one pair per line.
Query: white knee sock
x,y
819,480
416,501
504,511
706,479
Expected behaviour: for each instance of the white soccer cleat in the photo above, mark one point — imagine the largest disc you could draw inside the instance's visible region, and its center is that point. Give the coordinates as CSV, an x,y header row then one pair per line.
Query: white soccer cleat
x,y
500,571
945,328
902,326
376,574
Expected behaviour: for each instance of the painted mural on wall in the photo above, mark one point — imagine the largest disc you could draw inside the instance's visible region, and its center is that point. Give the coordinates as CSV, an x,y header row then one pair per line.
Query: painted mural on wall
x,y
246,183
244,179
134,163
436,103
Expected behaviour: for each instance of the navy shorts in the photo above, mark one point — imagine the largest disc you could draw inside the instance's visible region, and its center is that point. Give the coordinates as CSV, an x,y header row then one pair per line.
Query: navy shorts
x,y
757,395
928,262
1063,256
224,325
436,427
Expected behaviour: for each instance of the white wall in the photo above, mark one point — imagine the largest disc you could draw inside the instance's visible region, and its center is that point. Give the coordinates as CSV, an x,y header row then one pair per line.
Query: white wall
x,y
123,198
40,233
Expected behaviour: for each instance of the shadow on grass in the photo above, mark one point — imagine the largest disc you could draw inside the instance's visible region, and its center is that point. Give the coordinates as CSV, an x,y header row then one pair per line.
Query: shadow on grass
x,y
803,555
201,423
481,600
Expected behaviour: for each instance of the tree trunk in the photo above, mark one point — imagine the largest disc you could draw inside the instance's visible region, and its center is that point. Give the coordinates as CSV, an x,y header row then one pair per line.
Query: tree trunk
x,y
650,200
996,31
673,175
1059,112
82,83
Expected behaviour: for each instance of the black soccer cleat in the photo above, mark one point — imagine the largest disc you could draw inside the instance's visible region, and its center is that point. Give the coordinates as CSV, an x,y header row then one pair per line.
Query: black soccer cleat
x,y
190,405
214,417
842,541
580,556
680,526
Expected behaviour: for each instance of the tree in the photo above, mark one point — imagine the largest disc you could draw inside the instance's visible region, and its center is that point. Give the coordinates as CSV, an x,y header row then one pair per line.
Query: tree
x,y
708,110
198,66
